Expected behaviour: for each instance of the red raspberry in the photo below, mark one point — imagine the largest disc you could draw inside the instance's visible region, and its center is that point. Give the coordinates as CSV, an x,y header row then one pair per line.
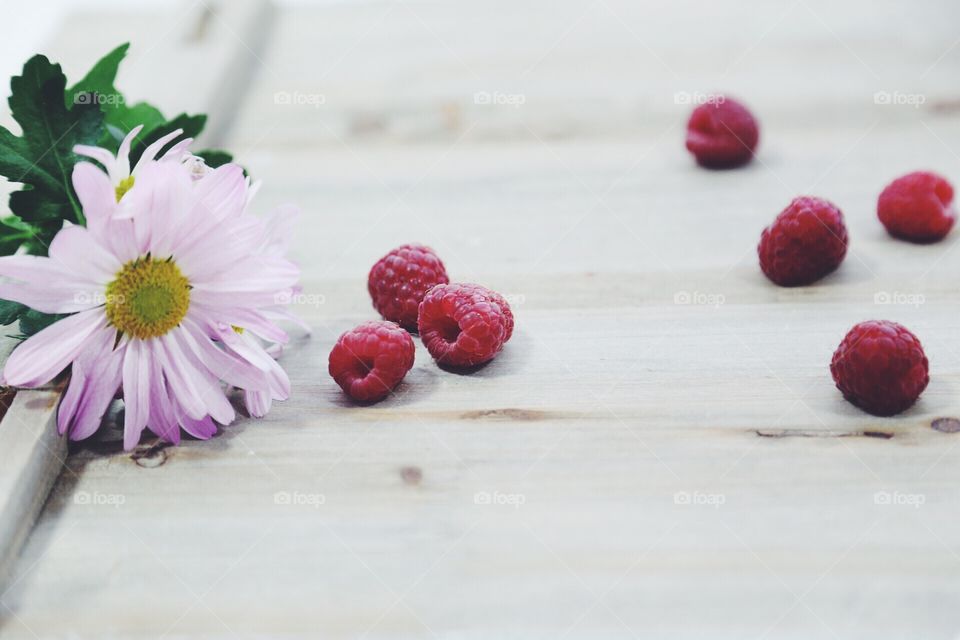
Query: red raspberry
x,y
399,279
880,367
916,207
463,325
722,134
370,360
807,241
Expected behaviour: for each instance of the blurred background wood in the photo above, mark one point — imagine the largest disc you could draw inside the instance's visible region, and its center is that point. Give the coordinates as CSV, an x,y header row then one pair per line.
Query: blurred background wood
x,y
659,451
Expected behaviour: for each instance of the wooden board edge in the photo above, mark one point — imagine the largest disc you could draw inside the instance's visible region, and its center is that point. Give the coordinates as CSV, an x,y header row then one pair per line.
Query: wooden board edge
x,y
34,454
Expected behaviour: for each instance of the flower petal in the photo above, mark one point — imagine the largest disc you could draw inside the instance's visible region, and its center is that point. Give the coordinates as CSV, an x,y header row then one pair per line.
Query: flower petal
x,y
163,416
44,355
123,153
223,364
180,376
202,429
136,391
79,380
258,403
77,250
96,193
104,157
218,407
101,365
254,321
153,149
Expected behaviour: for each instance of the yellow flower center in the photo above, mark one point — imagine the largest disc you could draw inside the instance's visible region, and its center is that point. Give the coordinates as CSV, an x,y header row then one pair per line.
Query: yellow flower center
x,y
148,297
125,185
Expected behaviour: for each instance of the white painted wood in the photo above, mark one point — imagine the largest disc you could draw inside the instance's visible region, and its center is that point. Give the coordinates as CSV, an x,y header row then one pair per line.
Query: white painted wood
x,y
411,71
33,456
652,468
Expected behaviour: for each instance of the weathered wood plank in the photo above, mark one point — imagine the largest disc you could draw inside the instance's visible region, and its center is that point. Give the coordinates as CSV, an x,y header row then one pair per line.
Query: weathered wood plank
x,y
415,71
611,405
33,456
630,466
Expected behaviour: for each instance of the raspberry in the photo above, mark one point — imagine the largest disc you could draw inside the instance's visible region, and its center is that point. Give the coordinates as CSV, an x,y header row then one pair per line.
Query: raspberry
x,y
463,325
722,134
807,241
371,359
880,367
399,279
916,207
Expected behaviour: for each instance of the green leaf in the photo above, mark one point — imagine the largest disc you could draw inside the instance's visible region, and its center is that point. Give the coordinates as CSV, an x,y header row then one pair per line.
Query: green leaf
x,y
191,125
32,321
13,233
126,118
99,80
17,162
10,311
98,87
214,157
42,156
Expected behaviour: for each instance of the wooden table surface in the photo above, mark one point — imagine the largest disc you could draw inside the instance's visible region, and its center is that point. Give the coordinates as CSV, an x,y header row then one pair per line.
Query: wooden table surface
x,y
660,451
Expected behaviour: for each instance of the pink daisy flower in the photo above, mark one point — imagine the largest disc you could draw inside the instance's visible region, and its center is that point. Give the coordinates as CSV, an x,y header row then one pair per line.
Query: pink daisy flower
x,y
167,301
118,169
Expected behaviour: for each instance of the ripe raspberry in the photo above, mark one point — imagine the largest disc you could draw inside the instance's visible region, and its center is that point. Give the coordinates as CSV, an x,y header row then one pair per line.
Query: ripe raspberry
x,y
880,367
722,134
916,207
807,241
399,279
463,325
371,359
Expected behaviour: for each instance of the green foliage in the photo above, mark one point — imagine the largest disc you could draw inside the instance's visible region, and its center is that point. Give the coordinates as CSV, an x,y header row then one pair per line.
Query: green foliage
x,y
214,158
42,158
53,119
10,312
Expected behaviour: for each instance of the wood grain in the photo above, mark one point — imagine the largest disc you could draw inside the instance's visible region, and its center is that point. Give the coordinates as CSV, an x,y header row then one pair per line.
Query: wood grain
x,y
659,452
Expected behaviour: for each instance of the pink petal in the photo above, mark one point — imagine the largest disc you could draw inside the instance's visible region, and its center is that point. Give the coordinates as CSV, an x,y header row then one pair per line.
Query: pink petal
x,y
255,322
161,199
48,285
279,382
71,399
180,376
218,407
260,281
44,355
153,149
123,153
78,251
79,378
105,158
202,429
258,403
252,353
51,301
222,364
220,195
102,368
136,391
96,193
176,152
163,418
